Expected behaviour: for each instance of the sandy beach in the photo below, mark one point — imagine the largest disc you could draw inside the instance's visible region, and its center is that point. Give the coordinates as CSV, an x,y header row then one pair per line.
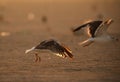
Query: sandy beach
x,y
22,20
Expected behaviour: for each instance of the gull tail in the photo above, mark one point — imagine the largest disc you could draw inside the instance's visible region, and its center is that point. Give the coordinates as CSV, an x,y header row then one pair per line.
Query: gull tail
x,y
29,50
87,42
67,52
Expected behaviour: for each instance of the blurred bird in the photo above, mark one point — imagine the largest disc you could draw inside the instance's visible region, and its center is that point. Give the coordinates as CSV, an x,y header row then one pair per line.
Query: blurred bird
x,y
53,46
44,19
97,31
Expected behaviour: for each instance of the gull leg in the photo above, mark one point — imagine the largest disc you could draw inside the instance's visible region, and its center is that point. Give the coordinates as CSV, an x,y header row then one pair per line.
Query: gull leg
x,y
37,58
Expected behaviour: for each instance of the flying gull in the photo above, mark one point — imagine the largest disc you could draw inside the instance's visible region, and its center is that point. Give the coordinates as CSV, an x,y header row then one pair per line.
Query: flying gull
x,y
97,31
53,46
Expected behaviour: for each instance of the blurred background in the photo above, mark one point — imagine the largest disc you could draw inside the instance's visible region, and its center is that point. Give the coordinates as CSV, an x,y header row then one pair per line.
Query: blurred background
x,y
24,23
58,12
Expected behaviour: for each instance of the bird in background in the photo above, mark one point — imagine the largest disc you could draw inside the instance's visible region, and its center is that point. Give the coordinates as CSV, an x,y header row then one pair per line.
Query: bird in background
x,y
55,47
97,31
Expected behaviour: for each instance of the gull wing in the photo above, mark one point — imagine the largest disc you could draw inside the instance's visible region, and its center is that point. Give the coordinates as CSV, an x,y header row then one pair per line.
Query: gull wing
x,y
93,25
87,42
80,27
102,30
63,51
67,51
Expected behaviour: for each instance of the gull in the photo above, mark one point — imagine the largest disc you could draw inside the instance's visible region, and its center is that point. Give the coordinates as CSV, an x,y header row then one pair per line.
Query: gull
x,y
53,46
97,31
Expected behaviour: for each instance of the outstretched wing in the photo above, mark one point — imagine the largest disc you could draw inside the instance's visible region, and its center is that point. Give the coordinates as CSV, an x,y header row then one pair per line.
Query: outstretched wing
x,y
61,50
93,26
80,27
67,51
103,27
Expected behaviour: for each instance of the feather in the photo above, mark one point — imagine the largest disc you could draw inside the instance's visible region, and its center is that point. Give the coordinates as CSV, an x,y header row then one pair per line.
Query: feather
x,y
67,51
87,42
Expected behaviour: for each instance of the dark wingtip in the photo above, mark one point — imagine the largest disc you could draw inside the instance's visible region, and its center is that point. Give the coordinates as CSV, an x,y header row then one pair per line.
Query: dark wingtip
x,y
72,29
68,51
70,54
